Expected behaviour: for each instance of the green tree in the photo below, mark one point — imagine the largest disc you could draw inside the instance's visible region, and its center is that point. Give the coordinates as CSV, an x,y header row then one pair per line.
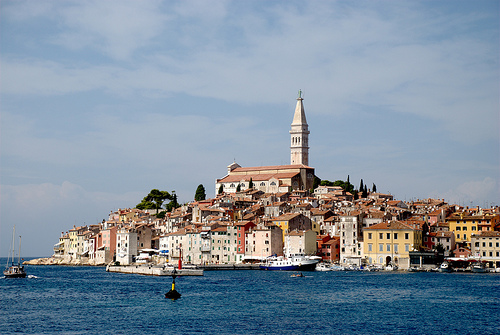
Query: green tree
x,y
238,188
154,200
374,188
221,189
326,183
365,192
250,184
361,186
200,193
316,182
355,194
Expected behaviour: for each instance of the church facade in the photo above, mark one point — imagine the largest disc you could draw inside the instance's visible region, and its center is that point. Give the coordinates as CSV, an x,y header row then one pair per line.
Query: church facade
x,y
277,178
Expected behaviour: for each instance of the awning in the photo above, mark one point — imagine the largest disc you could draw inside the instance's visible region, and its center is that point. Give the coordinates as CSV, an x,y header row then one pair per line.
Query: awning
x,y
148,250
55,245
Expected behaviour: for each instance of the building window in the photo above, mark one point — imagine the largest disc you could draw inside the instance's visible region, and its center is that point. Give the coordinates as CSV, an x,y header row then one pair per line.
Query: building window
x,y
396,248
370,247
407,247
388,247
395,236
407,236
458,228
381,236
388,236
369,236
380,247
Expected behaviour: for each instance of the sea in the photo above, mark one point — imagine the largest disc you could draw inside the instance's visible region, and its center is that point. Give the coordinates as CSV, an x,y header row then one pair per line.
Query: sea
x,y
89,300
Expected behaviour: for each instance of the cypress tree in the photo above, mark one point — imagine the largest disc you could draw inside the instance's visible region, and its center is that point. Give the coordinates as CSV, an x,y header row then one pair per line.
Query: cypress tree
x,y
221,189
200,193
361,187
374,188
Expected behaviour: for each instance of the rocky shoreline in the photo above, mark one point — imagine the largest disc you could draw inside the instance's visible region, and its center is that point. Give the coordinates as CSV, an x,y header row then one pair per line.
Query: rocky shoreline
x,y
62,261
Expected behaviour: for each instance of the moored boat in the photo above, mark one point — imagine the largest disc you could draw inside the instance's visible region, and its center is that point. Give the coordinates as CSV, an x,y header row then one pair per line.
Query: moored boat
x,y
323,267
479,267
14,270
445,267
296,262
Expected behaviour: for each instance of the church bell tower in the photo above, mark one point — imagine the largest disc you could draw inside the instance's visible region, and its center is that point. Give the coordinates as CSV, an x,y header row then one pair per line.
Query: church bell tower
x,y
299,135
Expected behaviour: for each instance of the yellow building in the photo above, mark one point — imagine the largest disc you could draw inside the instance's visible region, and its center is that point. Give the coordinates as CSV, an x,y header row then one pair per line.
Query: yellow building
x,y
292,221
464,224
391,242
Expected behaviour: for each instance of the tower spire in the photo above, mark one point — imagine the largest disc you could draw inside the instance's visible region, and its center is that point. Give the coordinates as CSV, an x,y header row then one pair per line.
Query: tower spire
x,y
299,135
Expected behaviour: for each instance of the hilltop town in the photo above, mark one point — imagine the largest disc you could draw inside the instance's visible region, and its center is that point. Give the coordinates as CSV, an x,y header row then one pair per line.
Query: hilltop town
x,y
268,210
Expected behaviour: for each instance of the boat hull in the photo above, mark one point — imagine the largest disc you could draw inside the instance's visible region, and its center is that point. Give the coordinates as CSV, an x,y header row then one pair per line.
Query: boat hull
x,y
15,272
290,267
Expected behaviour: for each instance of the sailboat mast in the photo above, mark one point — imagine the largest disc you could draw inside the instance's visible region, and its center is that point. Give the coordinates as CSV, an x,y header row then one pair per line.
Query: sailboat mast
x,y
19,259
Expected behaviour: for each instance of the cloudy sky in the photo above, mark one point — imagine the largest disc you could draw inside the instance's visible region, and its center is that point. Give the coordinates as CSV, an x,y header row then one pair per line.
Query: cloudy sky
x,y
102,101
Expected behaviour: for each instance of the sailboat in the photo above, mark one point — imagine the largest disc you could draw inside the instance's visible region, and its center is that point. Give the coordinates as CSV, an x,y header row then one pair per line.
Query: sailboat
x,y
14,270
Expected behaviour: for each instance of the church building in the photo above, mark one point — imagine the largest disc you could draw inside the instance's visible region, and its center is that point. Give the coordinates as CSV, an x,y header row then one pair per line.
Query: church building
x,y
277,178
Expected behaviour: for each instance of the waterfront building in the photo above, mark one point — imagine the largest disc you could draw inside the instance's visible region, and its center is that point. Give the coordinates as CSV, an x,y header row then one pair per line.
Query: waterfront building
x,y
444,238
486,246
350,237
301,242
466,223
263,242
126,245
391,242
329,248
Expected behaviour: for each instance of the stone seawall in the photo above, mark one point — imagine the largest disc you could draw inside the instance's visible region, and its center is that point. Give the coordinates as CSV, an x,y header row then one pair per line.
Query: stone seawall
x,y
150,270
62,261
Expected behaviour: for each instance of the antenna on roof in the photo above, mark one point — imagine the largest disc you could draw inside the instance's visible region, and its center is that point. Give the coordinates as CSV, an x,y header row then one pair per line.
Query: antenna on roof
x,y
300,94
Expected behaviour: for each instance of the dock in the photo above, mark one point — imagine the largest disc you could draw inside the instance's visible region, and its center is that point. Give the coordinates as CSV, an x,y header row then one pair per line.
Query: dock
x,y
210,267
152,270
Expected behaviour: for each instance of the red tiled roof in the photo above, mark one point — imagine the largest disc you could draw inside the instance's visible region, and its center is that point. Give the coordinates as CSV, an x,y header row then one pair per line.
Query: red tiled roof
x,y
257,177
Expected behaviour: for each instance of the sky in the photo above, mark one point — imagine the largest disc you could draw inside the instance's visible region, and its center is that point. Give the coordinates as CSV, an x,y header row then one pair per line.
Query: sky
x,y
102,101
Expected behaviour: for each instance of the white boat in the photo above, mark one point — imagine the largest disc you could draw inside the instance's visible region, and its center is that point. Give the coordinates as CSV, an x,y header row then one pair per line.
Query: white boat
x,y
298,262
14,270
479,267
323,267
445,267
391,267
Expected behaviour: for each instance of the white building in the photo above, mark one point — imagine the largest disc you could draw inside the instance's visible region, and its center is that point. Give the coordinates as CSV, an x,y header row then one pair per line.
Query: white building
x,y
126,245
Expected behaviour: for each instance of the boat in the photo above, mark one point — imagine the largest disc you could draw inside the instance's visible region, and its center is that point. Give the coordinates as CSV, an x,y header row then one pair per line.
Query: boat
x,y
297,262
14,270
297,275
337,267
479,267
445,267
323,267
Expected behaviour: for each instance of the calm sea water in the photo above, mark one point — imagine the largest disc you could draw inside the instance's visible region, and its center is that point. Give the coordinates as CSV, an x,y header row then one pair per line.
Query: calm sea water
x,y
88,300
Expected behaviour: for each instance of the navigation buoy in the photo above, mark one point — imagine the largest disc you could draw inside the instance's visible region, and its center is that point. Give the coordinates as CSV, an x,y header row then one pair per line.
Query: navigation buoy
x,y
173,294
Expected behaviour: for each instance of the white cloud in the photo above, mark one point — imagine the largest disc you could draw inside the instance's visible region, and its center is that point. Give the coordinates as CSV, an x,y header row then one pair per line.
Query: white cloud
x,y
484,192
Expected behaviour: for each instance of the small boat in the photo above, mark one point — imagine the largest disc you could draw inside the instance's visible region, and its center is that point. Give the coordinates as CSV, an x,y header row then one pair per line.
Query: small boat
x,y
337,267
445,267
297,275
14,270
296,262
479,267
323,267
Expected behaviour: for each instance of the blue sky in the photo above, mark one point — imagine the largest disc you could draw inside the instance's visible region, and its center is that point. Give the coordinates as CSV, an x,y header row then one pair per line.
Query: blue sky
x,y
102,101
